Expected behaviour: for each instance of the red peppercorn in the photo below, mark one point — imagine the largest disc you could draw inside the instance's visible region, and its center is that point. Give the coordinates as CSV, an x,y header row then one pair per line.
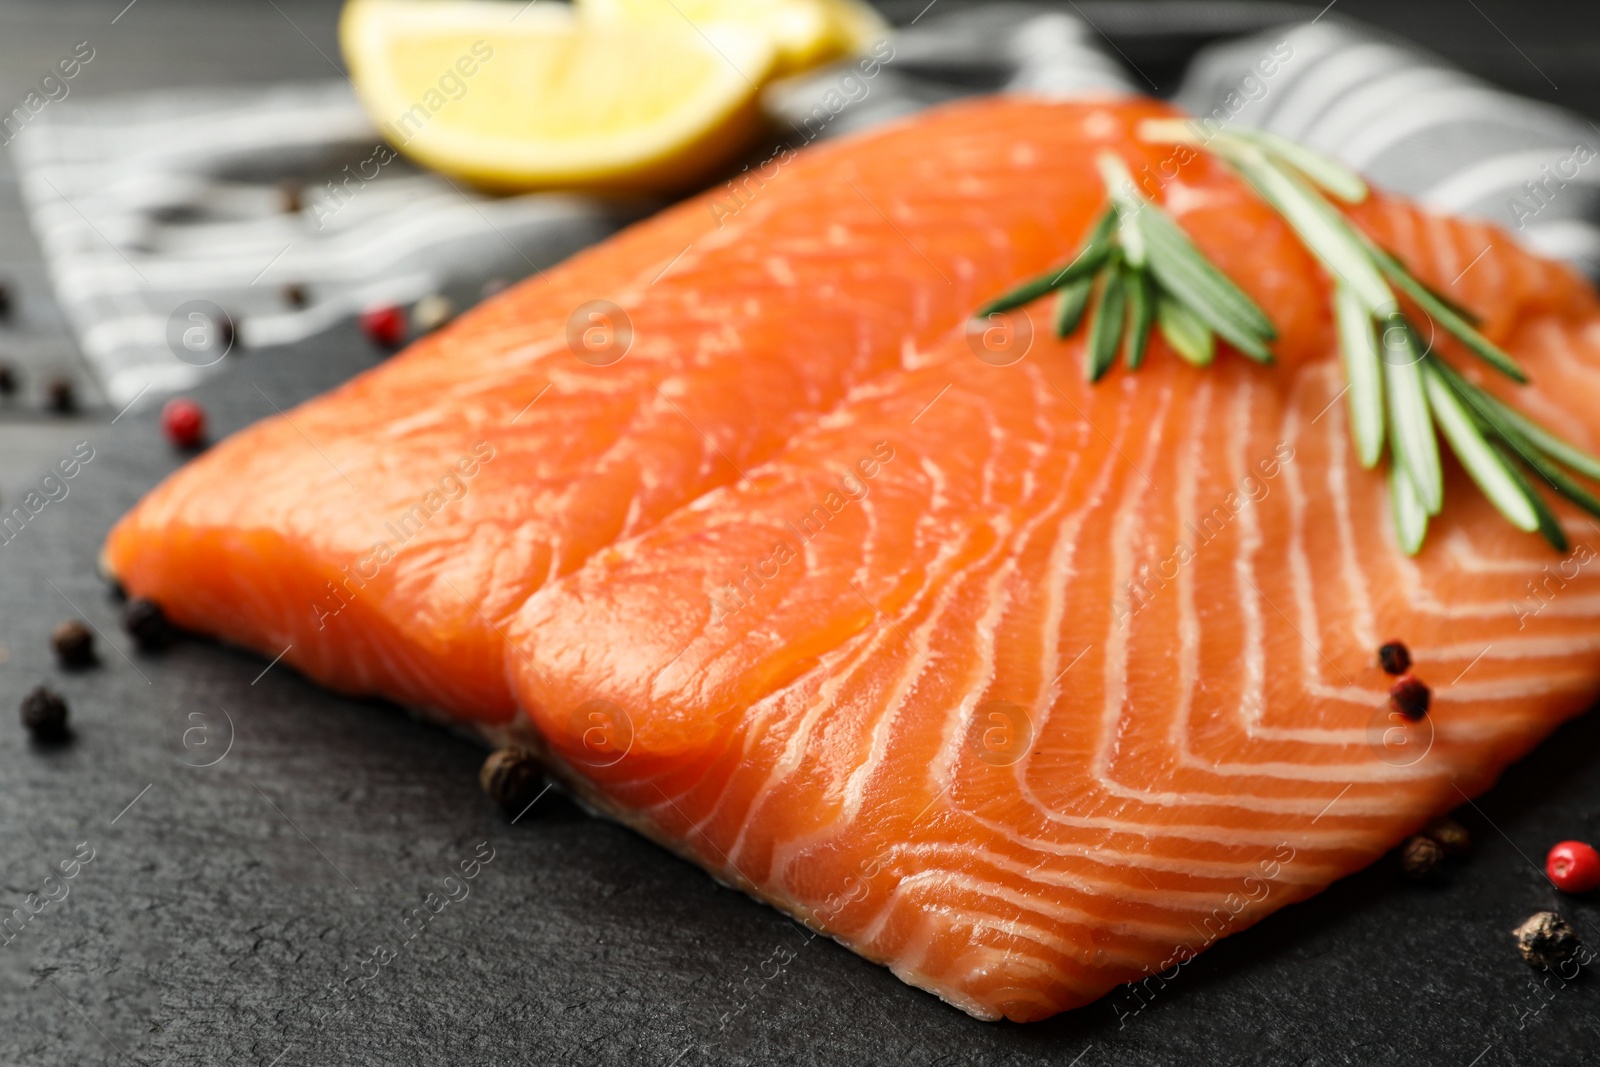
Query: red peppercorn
x,y
1573,866
1411,697
385,326
184,423
1394,657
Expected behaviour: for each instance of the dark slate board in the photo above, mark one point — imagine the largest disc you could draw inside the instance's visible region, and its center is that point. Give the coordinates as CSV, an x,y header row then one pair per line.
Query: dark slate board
x,y
220,906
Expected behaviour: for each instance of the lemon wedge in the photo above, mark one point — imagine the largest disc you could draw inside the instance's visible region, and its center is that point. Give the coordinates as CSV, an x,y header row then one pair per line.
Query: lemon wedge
x,y
805,32
519,96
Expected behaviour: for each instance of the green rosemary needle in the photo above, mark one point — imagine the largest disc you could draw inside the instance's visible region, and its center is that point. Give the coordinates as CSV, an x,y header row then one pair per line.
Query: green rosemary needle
x,y
1105,332
1189,337
1141,316
1072,300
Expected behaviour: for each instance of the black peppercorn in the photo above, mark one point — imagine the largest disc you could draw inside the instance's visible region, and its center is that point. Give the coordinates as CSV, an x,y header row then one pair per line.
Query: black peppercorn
x,y
294,294
73,643
5,302
1420,856
1451,835
290,197
44,714
8,380
1394,657
147,625
511,777
59,395
1411,697
1546,940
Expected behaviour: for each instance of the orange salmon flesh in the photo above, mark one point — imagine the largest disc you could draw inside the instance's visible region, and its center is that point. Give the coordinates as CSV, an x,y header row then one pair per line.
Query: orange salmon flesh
x,y
1021,686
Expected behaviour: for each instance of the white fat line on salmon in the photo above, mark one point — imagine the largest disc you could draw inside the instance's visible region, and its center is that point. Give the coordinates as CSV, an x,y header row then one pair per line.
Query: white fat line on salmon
x,y
1251,88
1550,582
55,889
449,489
814,920
1217,924
857,887
412,926
851,88
1140,590
52,490
734,596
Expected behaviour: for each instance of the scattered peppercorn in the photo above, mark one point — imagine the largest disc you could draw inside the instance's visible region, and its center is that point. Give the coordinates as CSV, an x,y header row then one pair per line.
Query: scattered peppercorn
x,y
432,312
1573,866
385,326
8,380
1546,940
147,624
294,294
511,777
1451,835
73,643
60,397
44,714
5,302
290,198
1394,657
1410,697
184,423
1420,857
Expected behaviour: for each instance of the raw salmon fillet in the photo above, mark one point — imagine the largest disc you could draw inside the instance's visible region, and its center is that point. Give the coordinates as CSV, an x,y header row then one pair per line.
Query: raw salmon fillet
x,y
349,530
1028,688
1021,686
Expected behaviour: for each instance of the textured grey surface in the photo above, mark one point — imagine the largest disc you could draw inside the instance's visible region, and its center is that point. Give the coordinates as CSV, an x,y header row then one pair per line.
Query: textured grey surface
x,y
220,906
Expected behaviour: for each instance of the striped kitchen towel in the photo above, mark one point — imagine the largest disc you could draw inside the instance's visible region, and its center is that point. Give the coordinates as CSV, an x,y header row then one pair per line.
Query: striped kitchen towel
x,y
1414,125
999,47
166,219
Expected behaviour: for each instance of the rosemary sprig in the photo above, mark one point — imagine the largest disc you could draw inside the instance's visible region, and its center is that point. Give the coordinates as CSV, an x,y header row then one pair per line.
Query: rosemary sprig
x,y
1141,272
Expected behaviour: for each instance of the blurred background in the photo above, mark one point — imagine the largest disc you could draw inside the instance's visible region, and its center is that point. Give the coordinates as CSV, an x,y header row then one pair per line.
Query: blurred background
x,y
207,925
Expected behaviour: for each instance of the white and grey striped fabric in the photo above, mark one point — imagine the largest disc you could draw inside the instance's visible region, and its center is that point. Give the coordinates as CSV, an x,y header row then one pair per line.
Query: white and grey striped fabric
x,y
1416,126
145,205
999,47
